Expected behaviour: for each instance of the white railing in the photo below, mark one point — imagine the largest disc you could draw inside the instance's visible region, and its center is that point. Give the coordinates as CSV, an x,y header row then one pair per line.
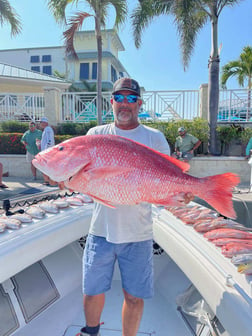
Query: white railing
x,y
234,106
157,105
82,107
21,106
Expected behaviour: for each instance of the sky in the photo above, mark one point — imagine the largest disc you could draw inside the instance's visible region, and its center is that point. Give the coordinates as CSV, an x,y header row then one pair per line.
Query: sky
x,y
157,64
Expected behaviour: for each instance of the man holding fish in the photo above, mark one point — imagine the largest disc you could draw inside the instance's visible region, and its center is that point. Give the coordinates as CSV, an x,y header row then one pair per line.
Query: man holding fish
x,y
125,232
125,168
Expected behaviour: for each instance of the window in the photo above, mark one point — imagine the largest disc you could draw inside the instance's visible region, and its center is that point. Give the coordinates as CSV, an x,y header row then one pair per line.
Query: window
x,y
34,59
35,68
121,74
94,70
47,69
84,71
46,58
113,74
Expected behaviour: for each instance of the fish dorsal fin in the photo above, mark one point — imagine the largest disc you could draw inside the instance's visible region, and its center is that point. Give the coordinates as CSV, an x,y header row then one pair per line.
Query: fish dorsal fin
x,y
184,166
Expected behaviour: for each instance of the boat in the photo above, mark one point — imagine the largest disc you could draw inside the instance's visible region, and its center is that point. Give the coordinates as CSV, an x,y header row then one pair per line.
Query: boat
x,y
197,290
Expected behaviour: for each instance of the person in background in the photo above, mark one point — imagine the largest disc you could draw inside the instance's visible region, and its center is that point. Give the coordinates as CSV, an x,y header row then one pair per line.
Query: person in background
x,y
47,140
30,139
2,185
248,149
185,145
123,233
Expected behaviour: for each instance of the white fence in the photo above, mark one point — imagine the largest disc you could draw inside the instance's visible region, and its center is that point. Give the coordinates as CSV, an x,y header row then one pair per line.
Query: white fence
x,y
234,106
21,106
157,105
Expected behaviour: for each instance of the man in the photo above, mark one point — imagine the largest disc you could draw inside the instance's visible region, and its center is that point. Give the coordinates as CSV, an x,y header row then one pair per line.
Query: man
x,y
248,149
29,139
2,185
124,233
46,141
185,145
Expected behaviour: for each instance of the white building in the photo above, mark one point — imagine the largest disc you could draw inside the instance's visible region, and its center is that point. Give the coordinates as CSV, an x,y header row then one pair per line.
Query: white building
x,y
46,60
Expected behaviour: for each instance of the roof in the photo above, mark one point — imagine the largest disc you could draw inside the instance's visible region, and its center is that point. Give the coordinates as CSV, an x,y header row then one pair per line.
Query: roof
x,y
14,72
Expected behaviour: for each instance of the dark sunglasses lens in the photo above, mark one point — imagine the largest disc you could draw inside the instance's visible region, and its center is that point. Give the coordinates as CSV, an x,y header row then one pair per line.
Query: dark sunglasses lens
x,y
118,98
132,98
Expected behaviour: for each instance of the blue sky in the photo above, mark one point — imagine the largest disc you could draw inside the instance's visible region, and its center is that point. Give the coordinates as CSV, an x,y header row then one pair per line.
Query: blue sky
x,y
157,64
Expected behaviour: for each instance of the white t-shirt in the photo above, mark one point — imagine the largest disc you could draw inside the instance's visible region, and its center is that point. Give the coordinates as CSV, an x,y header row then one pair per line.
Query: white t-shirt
x,y
127,223
47,139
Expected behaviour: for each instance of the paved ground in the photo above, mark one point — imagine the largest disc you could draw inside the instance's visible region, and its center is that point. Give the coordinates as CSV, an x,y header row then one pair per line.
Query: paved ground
x,y
21,186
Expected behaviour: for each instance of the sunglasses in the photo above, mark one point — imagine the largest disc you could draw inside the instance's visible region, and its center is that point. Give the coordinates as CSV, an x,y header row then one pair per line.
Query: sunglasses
x,y
119,98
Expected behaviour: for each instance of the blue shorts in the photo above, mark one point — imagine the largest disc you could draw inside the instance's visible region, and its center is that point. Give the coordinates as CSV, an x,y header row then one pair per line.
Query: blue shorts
x,y
135,263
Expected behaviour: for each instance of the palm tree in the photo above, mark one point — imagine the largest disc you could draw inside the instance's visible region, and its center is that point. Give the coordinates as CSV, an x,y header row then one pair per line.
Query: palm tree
x,y
8,15
99,11
242,69
190,17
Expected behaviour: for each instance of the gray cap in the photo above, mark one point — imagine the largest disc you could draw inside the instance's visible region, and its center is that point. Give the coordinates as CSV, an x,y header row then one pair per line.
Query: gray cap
x,y
44,119
125,83
181,129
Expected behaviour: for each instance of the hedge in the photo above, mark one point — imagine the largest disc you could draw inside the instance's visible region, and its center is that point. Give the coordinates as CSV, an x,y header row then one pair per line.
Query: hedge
x,y
12,131
10,143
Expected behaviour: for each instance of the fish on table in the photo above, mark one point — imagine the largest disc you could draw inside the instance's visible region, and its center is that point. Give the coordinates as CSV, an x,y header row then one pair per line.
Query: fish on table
x,y
232,249
114,170
49,206
217,223
22,217
225,241
245,268
35,212
10,223
242,258
227,233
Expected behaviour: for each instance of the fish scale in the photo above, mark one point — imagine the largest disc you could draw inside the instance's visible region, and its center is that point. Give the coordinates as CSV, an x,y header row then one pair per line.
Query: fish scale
x,y
115,170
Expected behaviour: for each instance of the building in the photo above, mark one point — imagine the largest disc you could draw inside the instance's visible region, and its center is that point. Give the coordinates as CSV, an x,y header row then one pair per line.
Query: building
x,y
46,60
27,95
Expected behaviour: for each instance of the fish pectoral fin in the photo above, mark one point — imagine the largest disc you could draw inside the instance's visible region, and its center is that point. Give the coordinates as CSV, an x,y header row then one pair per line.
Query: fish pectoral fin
x,y
101,201
106,172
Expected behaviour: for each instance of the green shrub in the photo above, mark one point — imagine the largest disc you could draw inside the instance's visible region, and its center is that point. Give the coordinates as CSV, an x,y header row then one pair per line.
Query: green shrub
x,y
74,128
245,136
198,127
14,126
10,143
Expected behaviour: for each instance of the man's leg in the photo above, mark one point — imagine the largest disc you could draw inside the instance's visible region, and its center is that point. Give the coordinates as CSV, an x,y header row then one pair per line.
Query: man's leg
x,y
132,312
33,170
93,306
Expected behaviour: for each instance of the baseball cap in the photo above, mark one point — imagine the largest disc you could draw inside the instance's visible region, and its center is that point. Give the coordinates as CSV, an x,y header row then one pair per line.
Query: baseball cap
x,y
125,83
44,119
181,129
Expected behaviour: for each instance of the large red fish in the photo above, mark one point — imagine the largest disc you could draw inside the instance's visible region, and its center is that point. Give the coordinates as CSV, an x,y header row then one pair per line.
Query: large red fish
x,y
115,170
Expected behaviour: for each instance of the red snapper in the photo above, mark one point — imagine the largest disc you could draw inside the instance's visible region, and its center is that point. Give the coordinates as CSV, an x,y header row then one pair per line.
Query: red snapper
x,y
114,170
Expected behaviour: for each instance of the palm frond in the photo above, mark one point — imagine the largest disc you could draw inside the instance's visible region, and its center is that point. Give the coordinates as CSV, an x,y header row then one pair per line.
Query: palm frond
x,y
144,13
9,15
58,8
190,19
75,23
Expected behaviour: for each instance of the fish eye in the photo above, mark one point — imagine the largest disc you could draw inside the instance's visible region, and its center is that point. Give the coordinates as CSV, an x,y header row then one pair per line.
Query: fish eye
x,y
61,148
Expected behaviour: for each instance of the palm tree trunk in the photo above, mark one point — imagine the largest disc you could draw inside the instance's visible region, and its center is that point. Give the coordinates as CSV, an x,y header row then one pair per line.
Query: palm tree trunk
x,y
99,68
213,88
249,112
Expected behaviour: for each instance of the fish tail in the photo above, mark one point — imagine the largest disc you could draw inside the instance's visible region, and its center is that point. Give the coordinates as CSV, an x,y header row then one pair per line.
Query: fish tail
x,y
217,192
